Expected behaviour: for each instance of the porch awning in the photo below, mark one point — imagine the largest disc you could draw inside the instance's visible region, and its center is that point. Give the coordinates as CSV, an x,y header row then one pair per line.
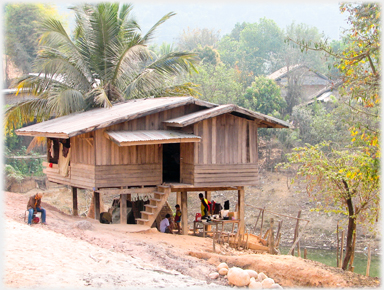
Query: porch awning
x,y
146,137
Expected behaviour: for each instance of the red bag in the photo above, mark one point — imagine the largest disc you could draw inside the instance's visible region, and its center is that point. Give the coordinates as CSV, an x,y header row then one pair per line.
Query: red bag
x,y
198,217
35,220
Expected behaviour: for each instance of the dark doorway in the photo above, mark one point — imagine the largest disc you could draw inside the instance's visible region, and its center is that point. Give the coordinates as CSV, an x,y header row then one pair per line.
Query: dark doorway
x,y
171,162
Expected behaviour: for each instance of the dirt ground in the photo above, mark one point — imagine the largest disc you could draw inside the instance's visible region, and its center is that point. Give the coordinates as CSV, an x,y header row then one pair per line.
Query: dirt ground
x,y
79,252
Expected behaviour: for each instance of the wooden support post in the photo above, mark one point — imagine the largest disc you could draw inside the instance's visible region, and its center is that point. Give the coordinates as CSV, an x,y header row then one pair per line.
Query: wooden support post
x,y
305,253
278,229
123,208
74,201
96,202
241,207
341,249
184,213
369,260
178,198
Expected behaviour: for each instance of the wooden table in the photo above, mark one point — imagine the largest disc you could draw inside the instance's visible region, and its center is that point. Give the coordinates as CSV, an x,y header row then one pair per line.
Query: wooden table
x,y
215,223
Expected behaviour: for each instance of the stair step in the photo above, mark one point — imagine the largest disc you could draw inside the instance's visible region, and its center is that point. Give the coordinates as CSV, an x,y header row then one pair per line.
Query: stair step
x,y
159,192
150,205
142,220
147,212
155,199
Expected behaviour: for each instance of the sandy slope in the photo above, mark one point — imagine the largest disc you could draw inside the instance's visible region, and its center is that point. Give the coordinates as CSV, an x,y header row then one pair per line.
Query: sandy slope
x,y
79,252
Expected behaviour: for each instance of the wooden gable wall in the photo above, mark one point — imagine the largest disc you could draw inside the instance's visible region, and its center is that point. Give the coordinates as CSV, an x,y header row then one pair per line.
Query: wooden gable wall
x,y
227,154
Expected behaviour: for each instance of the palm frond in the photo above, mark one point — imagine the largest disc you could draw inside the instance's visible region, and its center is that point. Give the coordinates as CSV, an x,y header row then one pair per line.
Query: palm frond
x,y
150,34
36,141
100,97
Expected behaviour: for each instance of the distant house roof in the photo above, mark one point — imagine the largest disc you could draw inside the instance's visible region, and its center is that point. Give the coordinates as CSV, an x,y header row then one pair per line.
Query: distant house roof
x,y
324,94
83,122
279,74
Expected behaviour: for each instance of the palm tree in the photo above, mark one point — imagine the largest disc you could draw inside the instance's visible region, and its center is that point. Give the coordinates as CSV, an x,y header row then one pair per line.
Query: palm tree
x,y
107,61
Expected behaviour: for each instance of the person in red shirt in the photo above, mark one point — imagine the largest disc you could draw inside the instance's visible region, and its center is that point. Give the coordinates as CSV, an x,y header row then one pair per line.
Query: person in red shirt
x,y
178,218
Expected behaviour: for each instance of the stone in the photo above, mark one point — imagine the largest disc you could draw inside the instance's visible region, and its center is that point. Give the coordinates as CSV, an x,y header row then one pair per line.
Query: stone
x,y
255,285
252,273
238,277
222,265
261,277
223,271
214,275
276,286
267,283
84,225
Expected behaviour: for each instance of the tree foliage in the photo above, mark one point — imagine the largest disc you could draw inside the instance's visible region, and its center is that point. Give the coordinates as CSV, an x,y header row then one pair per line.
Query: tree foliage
x,y
263,96
344,182
348,181
21,31
193,38
107,62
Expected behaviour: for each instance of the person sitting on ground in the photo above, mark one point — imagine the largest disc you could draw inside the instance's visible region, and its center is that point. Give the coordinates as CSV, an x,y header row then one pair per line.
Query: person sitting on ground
x,y
204,206
34,206
166,224
178,218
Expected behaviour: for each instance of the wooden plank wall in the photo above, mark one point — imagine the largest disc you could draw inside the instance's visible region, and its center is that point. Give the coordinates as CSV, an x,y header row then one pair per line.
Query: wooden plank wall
x,y
227,154
83,149
186,163
226,139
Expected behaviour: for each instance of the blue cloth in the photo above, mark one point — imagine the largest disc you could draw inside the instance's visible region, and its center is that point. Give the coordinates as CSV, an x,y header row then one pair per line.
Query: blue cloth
x,y
38,209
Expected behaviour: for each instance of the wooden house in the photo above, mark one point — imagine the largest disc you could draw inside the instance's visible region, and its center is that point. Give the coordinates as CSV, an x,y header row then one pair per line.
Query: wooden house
x,y
154,145
310,81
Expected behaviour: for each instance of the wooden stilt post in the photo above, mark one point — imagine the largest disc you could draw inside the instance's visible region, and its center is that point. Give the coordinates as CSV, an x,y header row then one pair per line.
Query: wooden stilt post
x,y
271,238
341,249
74,201
369,260
305,253
241,207
96,202
184,213
123,208
178,198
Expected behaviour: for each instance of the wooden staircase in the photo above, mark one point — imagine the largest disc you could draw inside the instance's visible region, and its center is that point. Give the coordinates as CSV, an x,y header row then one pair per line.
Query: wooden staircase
x,y
160,196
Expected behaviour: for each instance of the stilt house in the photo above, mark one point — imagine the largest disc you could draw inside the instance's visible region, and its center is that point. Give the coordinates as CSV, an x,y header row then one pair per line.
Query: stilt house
x,y
154,145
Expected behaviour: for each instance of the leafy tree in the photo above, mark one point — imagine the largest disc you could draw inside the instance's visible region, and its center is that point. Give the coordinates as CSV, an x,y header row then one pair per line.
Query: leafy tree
x,y
208,54
251,49
107,62
192,39
350,179
21,35
263,96
344,182
217,84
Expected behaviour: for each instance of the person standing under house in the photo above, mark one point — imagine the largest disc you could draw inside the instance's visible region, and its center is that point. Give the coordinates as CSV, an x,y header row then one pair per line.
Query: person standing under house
x,y
178,218
204,206
33,206
166,225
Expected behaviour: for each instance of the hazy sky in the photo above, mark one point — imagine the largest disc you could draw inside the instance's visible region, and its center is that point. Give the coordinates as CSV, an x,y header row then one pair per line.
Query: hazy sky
x,y
223,15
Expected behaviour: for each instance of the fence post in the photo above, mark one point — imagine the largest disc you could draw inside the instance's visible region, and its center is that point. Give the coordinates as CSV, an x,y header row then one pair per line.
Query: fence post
x,y
341,249
337,247
369,260
296,234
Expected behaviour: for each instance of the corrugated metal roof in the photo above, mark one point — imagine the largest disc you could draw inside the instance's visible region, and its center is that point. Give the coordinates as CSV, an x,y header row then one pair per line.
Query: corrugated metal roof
x,y
82,122
281,72
142,137
199,116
